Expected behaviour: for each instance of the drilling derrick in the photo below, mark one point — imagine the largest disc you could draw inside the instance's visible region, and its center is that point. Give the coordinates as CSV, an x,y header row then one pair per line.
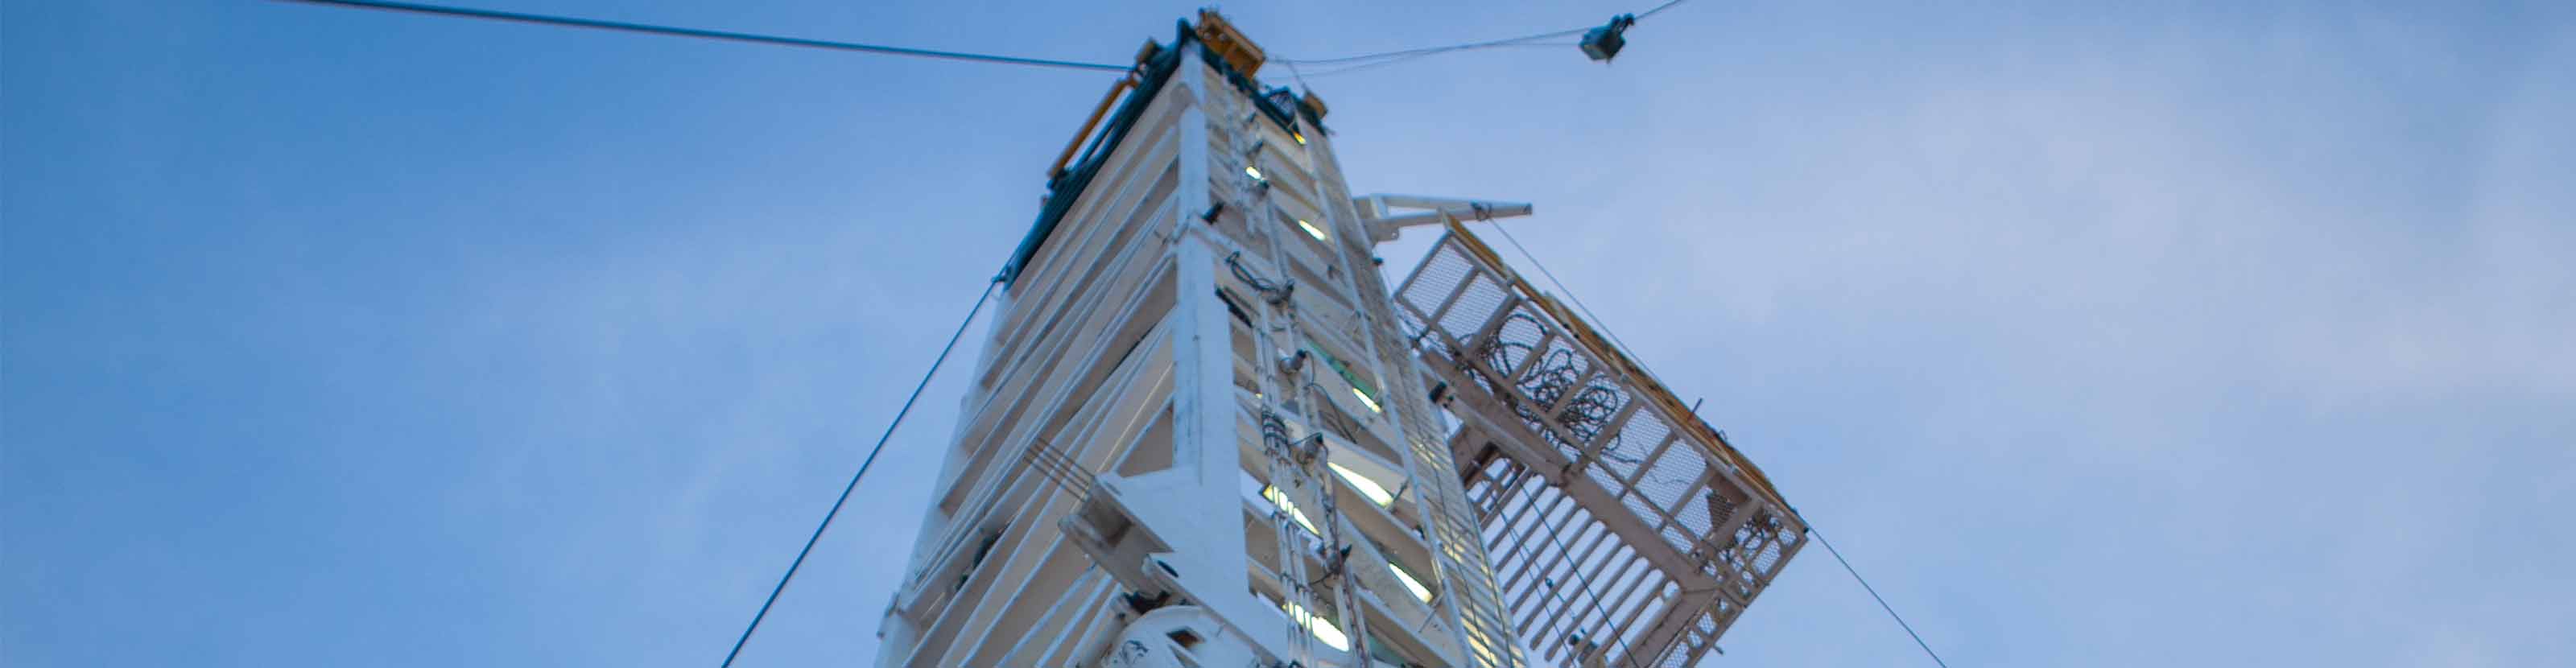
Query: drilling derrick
x,y
1204,433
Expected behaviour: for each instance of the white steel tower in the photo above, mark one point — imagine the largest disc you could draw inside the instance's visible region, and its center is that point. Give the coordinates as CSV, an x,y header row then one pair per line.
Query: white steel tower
x,y
1204,433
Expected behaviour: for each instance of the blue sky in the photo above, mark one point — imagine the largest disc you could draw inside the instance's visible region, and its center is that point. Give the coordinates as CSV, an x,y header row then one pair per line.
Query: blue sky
x,y
2096,334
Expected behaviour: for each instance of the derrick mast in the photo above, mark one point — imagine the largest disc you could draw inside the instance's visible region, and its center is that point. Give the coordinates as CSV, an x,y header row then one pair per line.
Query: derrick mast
x,y
1204,433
